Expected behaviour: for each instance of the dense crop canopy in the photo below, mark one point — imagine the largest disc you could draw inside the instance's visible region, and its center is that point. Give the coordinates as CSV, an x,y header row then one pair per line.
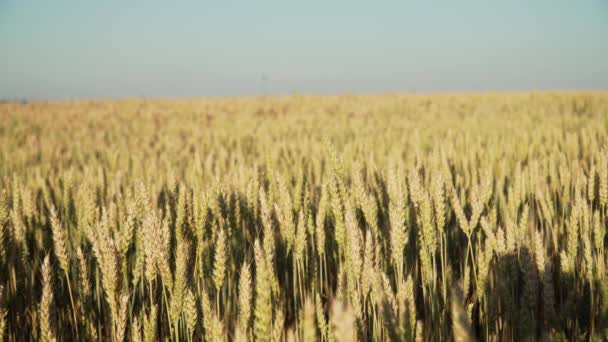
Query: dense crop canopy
x,y
394,217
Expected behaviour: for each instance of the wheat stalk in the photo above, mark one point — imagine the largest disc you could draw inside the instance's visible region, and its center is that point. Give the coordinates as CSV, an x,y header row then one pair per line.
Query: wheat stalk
x,y
46,332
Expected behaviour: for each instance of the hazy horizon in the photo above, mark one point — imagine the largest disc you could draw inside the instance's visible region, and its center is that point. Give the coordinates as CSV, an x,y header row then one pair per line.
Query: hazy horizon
x,y
71,50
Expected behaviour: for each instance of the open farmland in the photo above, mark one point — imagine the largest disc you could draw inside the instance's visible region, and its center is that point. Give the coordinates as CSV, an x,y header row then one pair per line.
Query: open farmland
x,y
302,218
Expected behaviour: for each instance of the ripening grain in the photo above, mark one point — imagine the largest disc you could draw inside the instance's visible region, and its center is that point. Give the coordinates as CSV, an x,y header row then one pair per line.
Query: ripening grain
x,y
394,217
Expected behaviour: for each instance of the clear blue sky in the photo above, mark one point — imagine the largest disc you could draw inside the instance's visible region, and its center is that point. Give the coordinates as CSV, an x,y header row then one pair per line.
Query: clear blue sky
x,y
86,49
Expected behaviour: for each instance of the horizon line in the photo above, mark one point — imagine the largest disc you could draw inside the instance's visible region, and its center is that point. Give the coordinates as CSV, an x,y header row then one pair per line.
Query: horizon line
x,y
302,94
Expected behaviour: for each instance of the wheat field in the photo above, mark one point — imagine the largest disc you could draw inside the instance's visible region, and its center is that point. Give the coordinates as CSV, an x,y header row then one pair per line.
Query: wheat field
x,y
306,218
